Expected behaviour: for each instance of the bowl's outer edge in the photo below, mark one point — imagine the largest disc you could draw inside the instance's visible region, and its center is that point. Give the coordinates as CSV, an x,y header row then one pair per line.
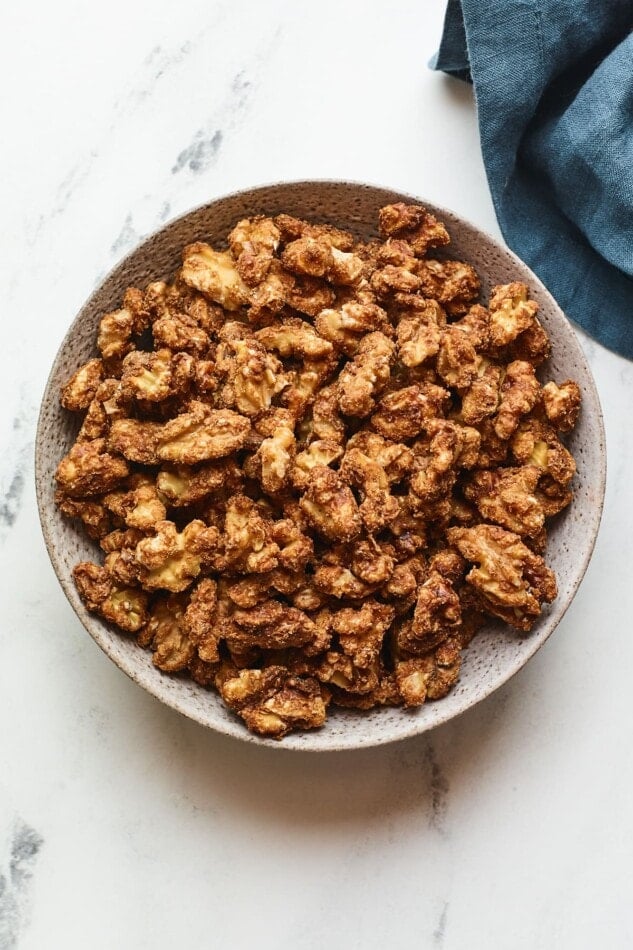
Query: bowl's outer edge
x,y
177,692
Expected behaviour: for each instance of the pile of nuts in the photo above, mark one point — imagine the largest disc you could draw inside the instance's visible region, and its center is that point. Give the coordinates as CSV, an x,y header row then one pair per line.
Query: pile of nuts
x,y
315,466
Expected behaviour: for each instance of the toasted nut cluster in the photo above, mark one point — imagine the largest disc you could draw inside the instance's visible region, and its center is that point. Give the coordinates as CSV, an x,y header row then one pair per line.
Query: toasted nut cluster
x,y
316,464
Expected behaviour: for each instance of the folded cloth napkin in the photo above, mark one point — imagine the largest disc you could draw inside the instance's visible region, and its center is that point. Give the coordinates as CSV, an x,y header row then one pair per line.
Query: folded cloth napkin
x,y
553,82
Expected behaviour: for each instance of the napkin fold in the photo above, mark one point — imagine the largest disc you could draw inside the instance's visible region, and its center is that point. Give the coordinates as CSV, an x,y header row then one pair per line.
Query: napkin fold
x,y
553,82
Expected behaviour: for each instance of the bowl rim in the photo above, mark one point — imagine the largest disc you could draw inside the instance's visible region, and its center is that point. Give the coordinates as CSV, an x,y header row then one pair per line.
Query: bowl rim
x,y
410,726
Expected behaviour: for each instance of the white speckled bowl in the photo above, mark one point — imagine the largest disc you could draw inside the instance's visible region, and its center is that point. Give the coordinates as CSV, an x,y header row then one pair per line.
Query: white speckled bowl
x,y
497,653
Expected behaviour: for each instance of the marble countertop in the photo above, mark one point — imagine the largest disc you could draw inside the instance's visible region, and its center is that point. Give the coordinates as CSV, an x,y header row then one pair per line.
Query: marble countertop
x,y
121,823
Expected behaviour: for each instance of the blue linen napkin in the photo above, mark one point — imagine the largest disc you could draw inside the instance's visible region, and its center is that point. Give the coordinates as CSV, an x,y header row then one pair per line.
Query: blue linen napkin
x,y
553,82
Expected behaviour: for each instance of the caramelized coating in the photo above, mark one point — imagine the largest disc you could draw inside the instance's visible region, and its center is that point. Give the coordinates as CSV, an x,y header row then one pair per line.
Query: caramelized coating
x,y
414,224
126,607
315,466
536,443
429,677
167,636
453,284
253,242
511,312
89,469
513,582
330,506
346,327
82,386
215,275
272,701
519,393
363,378
401,415
419,332
507,497
562,404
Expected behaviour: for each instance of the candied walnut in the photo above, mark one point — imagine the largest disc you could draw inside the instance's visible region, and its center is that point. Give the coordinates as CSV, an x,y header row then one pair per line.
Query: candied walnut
x,y
184,485
361,631
513,581
115,333
552,496
337,581
345,327
136,440
316,257
326,419
395,459
404,582
436,615
199,434
536,443
429,677
378,506
510,313
89,470
94,515
394,279
179,331
155,376
253,242
120,538
561,404
271,626
493,450
457,360
295,547
452,284
371,562
214,274
338,669
449,563
481,399
247,541
449,446
519,393
272,702
257,377
304,385
330,505
272,462
309,295
320,452
82,386
401,415
294,337
124,606
414,224
108,405
532,345
384,694
140,507
166,633
169,559
363,378
507,497
419,332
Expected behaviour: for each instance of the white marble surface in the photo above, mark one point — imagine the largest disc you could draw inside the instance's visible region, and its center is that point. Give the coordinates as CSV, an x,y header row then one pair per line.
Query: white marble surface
x,y
122,824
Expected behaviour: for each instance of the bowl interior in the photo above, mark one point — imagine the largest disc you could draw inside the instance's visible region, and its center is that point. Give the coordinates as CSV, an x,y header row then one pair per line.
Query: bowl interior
x,y
497,652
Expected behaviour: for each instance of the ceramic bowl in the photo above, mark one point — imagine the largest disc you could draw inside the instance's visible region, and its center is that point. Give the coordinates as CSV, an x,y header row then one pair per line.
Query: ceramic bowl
x,y
497,653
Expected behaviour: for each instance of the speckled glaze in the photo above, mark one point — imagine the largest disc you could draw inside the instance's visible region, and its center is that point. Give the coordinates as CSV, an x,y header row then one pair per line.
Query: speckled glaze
x,y
497,653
